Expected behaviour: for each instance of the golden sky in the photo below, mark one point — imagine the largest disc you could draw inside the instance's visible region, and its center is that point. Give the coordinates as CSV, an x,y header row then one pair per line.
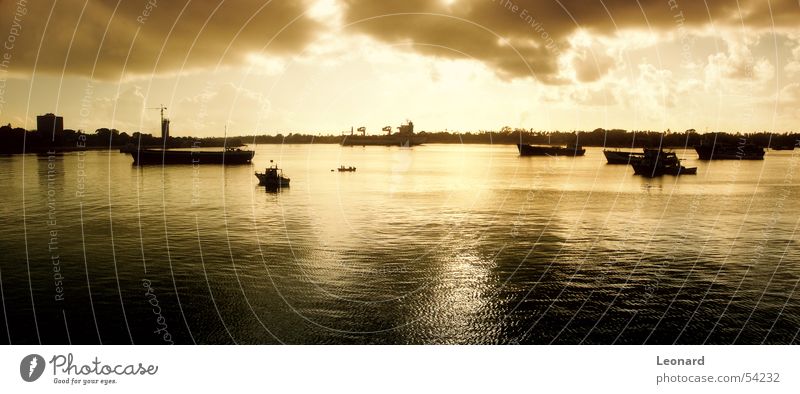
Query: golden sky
x,y
322,66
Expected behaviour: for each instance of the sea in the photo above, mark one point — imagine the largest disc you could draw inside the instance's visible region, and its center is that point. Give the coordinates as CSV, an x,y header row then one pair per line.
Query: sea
x,y
435,244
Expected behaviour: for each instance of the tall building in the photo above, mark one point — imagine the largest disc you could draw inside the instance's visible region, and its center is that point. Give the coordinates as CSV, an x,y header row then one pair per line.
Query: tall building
x,y
50,123
165,129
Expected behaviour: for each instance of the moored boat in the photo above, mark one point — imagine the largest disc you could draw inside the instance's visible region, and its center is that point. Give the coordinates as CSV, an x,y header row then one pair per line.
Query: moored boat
x,y
192,156
404,137
272,177
550,150
718,151
657,162
172,156
621,157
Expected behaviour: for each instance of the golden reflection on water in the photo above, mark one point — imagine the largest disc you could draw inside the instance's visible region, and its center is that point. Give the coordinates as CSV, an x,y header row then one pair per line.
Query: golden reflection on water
x,y
434,244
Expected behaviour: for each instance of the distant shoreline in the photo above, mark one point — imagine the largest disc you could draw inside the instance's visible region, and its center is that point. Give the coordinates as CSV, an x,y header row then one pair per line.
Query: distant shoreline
x,y
18,140
70,149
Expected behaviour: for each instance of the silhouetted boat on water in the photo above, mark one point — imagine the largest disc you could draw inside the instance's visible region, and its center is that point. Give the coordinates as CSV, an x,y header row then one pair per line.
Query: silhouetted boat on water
x,y
171,156
404,137
545,150
272,177
717,151
783,147
346,169
622,157
192,156
657,162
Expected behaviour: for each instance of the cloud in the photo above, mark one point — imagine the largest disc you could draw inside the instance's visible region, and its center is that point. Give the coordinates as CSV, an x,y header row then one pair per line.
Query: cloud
x,y
793,66
525,38
588,59
124,111
738,67
593,97
242,110
111,36
516,39
788,101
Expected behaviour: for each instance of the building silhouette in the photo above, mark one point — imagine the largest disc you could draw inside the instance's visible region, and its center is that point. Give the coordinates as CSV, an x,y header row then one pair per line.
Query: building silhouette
x,y
165,130
50,123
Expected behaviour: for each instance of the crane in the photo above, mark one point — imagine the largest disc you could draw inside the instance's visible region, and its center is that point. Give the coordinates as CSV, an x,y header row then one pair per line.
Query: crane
x,y
162,108
164,125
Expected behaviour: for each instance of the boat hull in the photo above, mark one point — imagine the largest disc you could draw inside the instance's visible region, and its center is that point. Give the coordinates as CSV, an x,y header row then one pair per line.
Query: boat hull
x,y
655,163
651,172
536,150
272,183
621,157
265,180
393,140
729,152
159,156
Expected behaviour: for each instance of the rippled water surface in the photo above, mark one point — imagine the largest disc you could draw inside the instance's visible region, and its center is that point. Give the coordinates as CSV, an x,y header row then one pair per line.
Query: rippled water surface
x,y
435,244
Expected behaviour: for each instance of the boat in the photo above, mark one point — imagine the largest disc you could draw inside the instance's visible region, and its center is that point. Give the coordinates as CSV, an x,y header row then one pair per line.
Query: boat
x,y
718,151
173,156
550,150
147,156
621,157
346,169
783,147
657,162
272,177
404,137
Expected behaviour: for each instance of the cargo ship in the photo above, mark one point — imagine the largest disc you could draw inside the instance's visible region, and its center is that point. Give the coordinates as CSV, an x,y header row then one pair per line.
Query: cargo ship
x,y
545,150
149,156
622,157
172,156
717,151
404,137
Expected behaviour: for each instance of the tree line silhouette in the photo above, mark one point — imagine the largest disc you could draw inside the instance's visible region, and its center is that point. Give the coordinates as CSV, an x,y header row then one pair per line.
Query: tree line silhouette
x,y
18,140
615,138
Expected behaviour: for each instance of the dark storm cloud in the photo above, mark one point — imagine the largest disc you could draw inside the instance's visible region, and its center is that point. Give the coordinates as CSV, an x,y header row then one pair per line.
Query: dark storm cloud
x,y
535,33
514,38
205,31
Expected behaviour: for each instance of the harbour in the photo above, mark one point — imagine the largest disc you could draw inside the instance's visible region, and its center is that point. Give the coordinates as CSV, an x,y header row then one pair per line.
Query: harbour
x,y
435,244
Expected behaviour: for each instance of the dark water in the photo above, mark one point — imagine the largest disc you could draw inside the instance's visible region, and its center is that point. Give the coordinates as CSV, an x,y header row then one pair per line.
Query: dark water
x,y
435,244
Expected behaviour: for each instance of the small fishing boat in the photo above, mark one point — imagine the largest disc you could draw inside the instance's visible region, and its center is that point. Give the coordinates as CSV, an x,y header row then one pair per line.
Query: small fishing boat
x,y
545,150
657,162
346,169
272,177
621,157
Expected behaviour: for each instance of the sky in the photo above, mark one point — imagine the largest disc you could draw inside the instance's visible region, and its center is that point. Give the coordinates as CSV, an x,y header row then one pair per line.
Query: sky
x,y
324,66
